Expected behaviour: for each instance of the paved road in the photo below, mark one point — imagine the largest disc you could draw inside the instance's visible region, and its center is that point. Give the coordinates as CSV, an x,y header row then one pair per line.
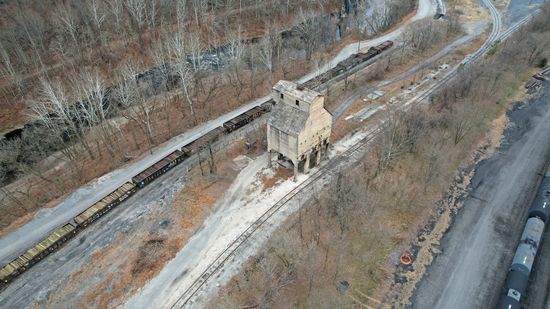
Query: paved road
x,y
477,250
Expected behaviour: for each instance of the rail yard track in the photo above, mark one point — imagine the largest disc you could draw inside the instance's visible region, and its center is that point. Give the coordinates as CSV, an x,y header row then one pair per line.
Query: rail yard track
x,y
185,299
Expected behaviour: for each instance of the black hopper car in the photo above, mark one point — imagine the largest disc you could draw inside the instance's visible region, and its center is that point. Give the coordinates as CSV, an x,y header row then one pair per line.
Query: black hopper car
x,y
347,64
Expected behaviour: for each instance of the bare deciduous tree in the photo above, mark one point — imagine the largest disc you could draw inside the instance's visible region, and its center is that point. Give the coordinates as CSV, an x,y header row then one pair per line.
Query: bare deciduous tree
x,y
136,8
7,69
136,107
68,23
177,52
116,8
98,15
266,53
308,30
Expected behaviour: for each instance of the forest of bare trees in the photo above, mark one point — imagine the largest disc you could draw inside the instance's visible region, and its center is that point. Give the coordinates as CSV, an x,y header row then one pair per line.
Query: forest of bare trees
x,y
102,81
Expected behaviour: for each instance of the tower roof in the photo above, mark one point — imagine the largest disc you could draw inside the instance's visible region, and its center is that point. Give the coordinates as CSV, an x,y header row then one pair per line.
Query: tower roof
x,y
288,119
302,94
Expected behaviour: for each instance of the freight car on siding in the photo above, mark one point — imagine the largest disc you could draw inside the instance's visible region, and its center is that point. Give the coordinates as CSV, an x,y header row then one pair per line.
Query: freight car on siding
x,y
203,141
517,281
159,168
36,253
105,204
347,64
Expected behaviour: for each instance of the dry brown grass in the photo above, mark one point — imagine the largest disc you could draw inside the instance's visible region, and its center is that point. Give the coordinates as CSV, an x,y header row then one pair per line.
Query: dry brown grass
x,y
281,174
470,10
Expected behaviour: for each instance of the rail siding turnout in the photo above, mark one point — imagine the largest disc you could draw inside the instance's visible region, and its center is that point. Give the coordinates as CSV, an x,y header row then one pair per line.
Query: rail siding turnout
x,y
53,241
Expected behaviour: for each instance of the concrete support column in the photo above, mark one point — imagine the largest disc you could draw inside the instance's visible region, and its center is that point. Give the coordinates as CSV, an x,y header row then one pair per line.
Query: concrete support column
x,y
306,165
295,171
269,164
318,159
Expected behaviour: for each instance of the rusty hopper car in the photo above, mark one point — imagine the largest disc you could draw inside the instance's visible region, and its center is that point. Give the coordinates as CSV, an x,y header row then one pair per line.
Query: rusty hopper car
x,y
236,122
158,168
267,106
386,45
62,234
347,64
105,204
245,118
36,253
203,141
254,113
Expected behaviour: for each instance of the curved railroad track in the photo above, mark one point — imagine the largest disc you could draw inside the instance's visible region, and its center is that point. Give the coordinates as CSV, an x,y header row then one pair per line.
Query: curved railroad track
x,y
334,164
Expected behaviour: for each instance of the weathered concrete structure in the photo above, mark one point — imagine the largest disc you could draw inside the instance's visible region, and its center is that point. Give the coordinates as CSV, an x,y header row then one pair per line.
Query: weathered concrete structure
x,y
299,127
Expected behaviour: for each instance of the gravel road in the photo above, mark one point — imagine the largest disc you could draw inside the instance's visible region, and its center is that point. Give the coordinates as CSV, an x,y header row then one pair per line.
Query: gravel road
x,y
426,8
518,9
48,219
229,214
51,275
478,248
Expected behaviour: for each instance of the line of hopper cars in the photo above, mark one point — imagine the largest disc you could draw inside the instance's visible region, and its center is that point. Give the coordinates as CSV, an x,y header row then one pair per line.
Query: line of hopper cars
x,y
517,280
345,65
62,234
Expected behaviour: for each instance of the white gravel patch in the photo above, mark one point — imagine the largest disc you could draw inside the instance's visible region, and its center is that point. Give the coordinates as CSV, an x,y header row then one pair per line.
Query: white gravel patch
x,y
240,206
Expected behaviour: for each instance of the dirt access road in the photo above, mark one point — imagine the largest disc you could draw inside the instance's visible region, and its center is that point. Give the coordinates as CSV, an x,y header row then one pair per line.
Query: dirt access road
x,y
478,248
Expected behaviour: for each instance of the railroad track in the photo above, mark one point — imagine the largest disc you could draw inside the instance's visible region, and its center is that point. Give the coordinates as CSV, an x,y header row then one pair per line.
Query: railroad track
x,y
487,45
334,165
506,34
493,39
331,167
